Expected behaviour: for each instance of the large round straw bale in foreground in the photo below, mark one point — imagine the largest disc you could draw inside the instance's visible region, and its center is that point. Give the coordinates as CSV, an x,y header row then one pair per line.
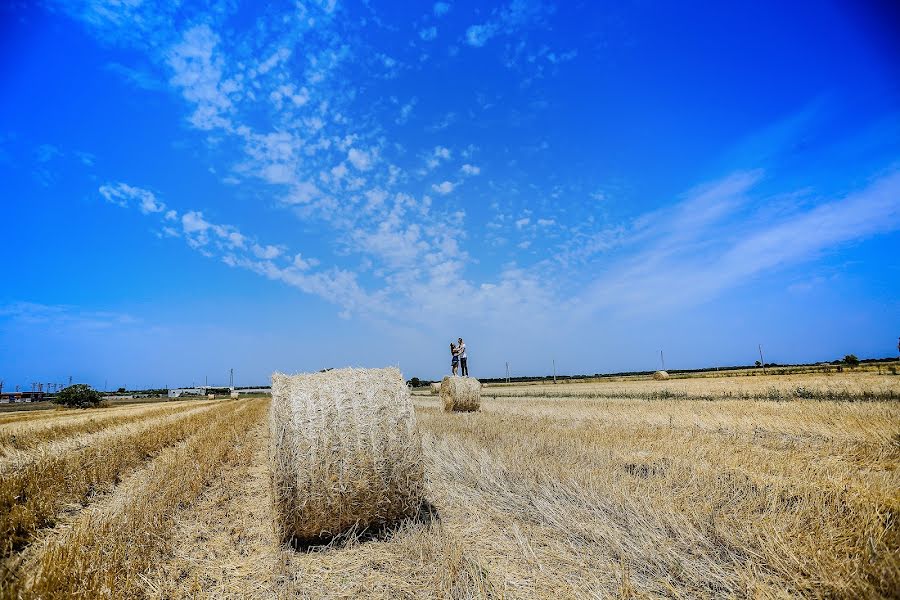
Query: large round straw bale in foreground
x,y
345,452
461,393
660,375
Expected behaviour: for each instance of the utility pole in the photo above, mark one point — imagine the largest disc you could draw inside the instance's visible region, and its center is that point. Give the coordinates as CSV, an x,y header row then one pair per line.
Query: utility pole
x,y
554,371
762,360
70,380
662,360
206,380
507,371
231,379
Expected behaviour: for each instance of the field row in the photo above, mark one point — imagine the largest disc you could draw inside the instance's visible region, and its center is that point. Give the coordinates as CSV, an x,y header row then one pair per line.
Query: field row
x,y
838,387
31,434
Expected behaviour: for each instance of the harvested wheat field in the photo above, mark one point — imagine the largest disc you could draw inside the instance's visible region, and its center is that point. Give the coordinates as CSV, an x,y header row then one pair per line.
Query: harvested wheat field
x,y
563,491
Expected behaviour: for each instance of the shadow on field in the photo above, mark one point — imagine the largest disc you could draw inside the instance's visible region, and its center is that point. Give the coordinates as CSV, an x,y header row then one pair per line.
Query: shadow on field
x,y
425,517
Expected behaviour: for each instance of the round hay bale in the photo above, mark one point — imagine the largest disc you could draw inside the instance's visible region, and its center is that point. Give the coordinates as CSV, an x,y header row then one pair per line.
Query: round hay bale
x,y
461,393
660,375
345,452
435,388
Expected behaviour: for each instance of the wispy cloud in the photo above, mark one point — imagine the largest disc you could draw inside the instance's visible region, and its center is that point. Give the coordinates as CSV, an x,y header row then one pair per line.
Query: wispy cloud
x,y
122,194
278,104
712,242
61,316
507,20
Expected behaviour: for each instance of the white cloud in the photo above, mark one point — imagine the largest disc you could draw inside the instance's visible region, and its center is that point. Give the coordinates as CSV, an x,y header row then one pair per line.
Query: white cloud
x,y
360,159
280,55
444,187
267,252
478,35
523,222
193,222
428,34
439,154
508,20
468,169
441,8
122,194
546,222
302,193
198,72
406,111
304,264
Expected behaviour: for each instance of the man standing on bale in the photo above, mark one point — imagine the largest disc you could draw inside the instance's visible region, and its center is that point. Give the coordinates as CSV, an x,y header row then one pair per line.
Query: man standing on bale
x,y
463,363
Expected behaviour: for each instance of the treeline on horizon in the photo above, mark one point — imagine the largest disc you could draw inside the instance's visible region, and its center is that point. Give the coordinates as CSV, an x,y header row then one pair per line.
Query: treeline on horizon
x,y
532,378
417,382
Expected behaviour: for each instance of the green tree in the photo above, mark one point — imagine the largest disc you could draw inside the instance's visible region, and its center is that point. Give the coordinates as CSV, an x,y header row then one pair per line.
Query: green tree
x,y
758,364
415,382
79,395
851,361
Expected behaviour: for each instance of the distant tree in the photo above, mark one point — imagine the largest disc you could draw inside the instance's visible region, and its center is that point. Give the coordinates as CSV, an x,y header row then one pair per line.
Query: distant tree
x,y
851,361
415,382
121,390
758,364
78,396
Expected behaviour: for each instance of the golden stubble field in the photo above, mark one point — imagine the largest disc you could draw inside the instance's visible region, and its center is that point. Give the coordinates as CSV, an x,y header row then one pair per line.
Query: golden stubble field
x,y
636,489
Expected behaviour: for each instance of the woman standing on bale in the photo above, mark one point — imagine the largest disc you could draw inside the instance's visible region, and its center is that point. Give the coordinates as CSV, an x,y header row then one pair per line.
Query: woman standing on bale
x,y
454,363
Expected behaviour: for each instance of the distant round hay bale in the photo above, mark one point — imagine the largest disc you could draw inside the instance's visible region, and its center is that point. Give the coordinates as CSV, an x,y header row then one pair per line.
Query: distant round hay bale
x,y
435,388
461,393
345,452
660,375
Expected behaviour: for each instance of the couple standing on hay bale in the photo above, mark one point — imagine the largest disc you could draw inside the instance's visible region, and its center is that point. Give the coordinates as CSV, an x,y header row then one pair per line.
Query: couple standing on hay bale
x,y
459,358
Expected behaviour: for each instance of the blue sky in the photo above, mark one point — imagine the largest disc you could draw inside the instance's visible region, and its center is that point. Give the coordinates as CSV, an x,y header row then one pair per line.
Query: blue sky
x,y
301,185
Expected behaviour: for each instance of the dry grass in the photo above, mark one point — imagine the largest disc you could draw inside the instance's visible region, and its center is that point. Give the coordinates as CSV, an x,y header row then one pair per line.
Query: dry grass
x,y
104,552
683,509
32,433
531,497
865,385
33,492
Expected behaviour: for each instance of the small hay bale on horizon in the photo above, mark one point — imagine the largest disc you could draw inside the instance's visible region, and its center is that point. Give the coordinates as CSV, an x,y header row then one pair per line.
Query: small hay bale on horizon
x,y
661,375
345,453
461,394
436,388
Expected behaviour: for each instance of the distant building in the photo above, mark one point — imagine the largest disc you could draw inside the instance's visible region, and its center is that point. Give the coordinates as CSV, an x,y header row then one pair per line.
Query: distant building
x,y
8,397
180,392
